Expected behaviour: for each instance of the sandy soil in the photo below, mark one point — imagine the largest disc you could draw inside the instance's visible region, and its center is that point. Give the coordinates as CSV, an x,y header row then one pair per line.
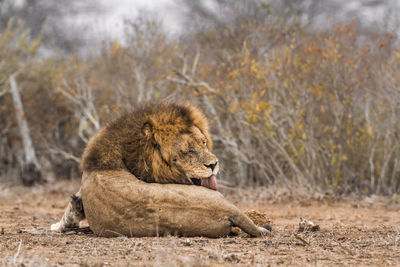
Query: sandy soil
x,y
352,232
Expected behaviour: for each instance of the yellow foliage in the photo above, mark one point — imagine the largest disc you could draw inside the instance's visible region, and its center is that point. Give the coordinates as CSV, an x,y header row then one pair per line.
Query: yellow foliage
x,y
115,48
303,99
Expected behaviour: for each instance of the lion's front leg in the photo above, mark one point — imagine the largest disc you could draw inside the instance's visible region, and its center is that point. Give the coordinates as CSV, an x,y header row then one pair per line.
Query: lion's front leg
x,y
72,215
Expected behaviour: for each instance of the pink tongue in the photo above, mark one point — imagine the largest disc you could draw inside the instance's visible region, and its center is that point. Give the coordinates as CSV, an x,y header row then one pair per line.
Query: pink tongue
x,y
210,182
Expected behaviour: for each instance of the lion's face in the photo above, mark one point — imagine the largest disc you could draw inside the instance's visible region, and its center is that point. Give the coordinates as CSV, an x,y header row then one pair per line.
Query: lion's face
x,y
184,156
192,157
162,143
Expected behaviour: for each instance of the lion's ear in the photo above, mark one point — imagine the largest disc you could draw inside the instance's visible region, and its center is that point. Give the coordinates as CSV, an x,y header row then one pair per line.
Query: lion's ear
x,y
150,133
148,130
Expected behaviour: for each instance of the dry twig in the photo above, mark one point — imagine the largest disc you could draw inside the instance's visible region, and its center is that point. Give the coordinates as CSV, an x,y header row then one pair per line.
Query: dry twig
x,y
301,239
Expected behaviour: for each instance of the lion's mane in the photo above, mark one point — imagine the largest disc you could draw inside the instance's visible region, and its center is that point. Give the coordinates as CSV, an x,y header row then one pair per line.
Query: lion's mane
x,y
133,140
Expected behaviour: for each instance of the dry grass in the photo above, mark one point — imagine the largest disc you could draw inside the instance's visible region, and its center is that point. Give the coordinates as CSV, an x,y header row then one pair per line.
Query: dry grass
x,y
353,232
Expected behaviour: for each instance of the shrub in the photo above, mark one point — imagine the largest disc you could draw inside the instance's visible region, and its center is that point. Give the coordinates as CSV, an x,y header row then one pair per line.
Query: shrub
x,y
317,110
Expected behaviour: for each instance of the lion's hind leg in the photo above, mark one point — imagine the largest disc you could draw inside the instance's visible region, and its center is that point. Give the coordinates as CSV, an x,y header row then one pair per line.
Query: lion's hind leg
x,y
72,215
246,224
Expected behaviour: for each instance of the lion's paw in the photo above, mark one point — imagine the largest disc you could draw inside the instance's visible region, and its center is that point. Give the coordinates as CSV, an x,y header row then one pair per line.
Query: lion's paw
x,y
264,231
57,227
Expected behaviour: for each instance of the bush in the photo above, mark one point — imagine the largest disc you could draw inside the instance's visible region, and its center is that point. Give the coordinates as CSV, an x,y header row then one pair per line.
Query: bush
x,y
317,110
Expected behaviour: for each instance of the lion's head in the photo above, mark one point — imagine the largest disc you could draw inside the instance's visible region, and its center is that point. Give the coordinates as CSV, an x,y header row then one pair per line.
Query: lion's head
x,y
162,143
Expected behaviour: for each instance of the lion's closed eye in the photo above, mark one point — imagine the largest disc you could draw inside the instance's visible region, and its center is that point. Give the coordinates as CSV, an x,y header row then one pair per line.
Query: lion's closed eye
x,y
188,151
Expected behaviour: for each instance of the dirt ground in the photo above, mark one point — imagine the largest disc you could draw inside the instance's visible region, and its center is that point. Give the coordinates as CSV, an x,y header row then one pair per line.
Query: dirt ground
x,y
352,232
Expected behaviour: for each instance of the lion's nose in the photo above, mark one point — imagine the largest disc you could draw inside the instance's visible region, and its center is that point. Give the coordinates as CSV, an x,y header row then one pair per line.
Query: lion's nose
x,y
212,165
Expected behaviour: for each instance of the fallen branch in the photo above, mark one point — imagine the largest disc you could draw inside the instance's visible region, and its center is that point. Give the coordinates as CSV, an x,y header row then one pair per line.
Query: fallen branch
x,y
301,239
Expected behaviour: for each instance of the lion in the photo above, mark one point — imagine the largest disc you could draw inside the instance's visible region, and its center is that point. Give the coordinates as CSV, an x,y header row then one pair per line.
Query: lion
x,y
152,172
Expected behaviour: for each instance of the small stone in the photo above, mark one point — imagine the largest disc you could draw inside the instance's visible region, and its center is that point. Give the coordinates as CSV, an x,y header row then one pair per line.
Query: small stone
x,y
306,226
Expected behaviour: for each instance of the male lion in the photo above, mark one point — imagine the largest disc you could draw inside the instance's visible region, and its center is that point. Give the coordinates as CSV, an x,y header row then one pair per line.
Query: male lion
x,y
140,174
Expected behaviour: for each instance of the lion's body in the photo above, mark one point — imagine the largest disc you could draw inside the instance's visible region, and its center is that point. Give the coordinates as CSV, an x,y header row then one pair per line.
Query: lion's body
x,y
139,174
147,209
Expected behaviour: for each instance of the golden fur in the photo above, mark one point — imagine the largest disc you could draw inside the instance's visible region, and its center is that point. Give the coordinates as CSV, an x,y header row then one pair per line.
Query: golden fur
x,y
116,203
138,175
159,143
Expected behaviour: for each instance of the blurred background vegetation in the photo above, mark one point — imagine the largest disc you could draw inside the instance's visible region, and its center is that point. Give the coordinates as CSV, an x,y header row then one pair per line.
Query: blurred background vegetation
x,y
296,95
